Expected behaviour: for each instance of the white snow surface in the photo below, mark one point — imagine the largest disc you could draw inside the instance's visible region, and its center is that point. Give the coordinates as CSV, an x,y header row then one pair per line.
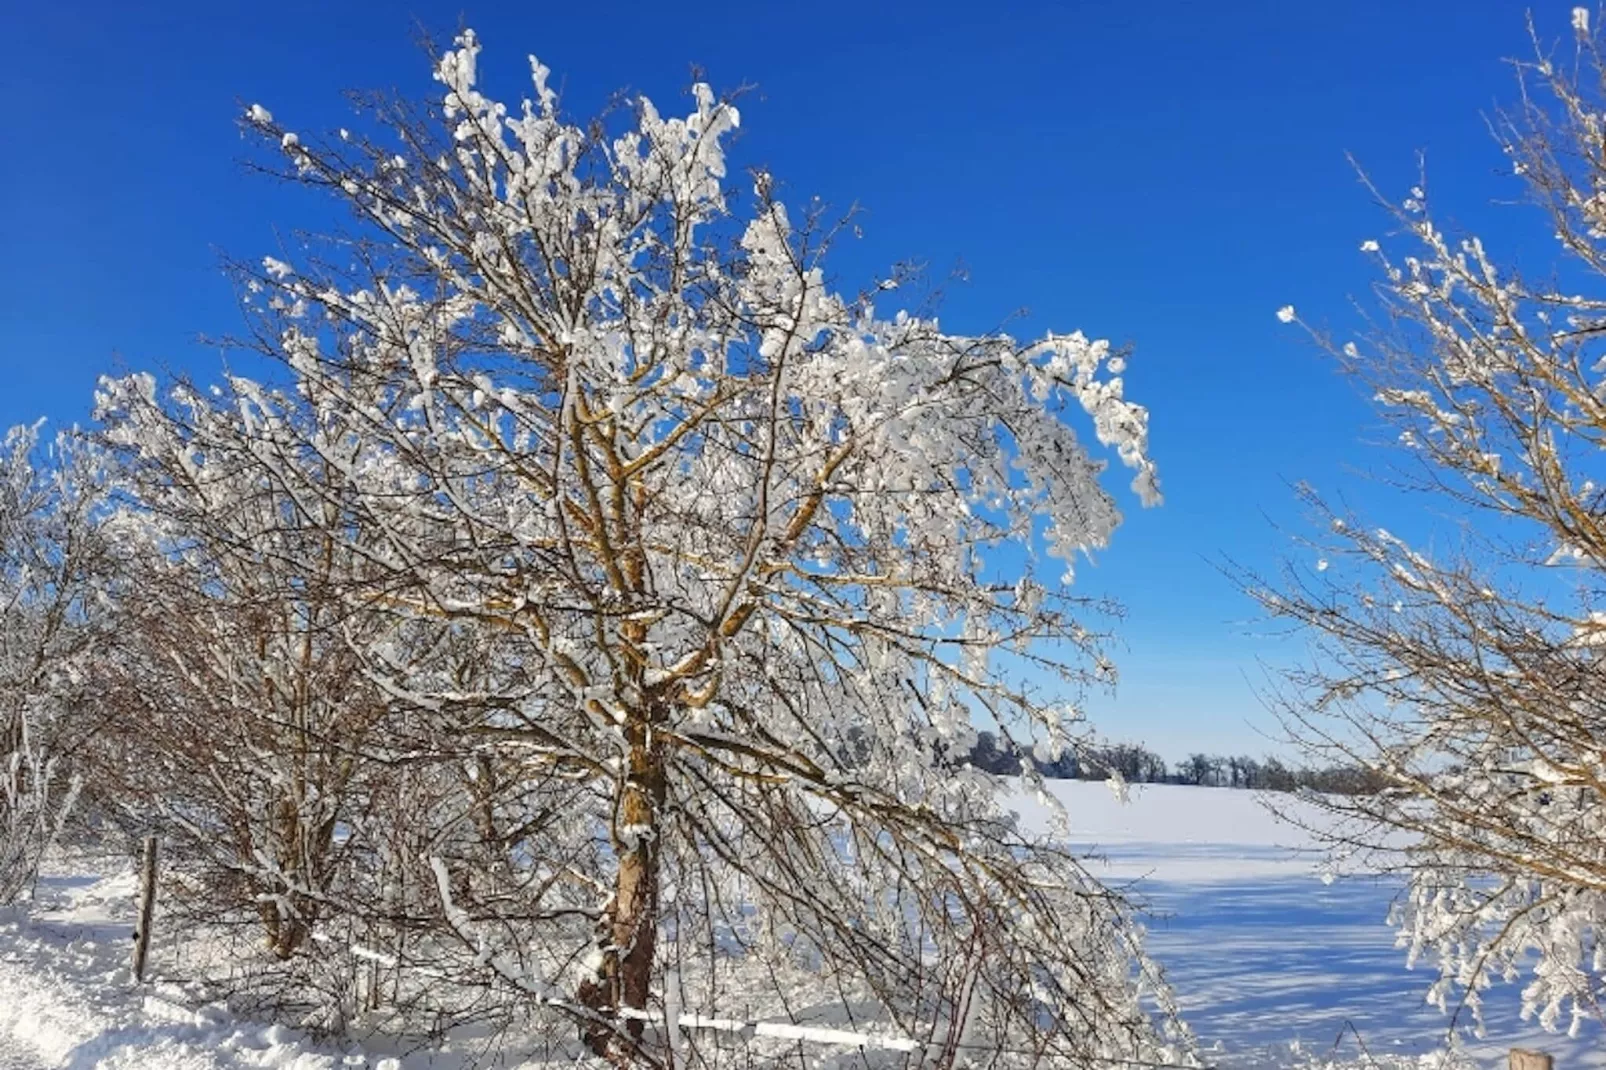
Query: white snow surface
x,y
67,997
1180,835
1273,966
1274,962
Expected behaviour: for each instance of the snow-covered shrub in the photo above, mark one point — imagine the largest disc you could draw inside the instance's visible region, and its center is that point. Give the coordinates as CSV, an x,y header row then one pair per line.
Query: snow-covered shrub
x,y
36,799
52,564
238,720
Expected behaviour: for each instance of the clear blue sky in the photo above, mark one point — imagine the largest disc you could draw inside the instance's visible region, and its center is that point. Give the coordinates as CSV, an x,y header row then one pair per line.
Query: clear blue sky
x,y
1161,173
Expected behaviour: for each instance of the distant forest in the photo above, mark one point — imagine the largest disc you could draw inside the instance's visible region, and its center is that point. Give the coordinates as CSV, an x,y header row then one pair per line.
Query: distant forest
x,y
1139,765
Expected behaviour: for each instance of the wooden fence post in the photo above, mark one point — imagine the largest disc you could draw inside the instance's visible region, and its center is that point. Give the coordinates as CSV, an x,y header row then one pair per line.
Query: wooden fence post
x,y
147,907
1523,1059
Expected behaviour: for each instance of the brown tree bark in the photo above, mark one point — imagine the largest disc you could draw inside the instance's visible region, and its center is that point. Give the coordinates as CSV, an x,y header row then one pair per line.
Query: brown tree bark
x,y
630,928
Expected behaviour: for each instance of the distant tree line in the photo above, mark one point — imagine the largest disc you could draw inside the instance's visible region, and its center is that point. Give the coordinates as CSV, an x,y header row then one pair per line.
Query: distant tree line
x,y
1138,765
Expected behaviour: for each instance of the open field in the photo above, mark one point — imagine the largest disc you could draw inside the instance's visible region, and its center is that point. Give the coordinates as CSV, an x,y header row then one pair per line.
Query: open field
x,y
1265,954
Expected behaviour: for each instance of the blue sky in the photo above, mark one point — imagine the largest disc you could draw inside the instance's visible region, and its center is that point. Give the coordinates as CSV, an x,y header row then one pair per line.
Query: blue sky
x,y
1165,174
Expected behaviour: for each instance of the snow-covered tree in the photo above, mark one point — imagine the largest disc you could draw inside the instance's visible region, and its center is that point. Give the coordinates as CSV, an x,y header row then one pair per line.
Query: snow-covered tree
x,y
1469,679
742,565
52,566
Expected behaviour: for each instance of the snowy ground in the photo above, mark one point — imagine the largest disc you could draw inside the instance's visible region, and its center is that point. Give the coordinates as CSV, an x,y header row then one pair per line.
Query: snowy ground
x,y
1271,964
1262,952
67,998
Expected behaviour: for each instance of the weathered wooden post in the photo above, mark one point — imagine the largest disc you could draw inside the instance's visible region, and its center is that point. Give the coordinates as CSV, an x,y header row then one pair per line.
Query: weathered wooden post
x,y
1523,1059
147,907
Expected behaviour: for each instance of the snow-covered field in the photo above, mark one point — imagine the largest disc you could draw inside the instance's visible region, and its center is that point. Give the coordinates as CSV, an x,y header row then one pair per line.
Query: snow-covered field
x,y
1264,953
1271,964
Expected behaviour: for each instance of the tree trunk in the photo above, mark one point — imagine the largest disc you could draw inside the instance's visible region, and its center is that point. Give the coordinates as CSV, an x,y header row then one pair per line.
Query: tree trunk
x,y
630,928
